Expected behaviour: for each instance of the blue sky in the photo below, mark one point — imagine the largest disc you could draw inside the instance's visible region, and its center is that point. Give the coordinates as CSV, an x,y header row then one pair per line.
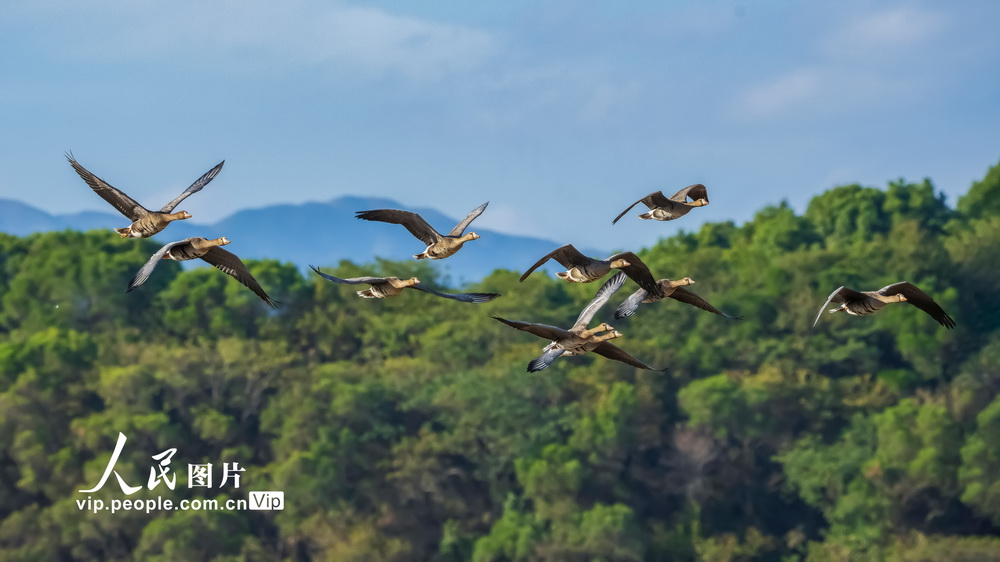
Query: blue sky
x,y
559,113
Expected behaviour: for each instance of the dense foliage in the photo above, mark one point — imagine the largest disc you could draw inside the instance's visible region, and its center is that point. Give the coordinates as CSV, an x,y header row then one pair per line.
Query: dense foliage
x,y
408,429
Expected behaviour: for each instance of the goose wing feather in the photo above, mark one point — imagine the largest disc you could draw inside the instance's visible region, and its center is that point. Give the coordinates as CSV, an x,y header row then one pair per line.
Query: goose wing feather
x,y
600,299
627,209
694,191
567,256
840,296
656,199
653,200
194,187
919,299
687,297
350,281
630,304
550,333
612,351
638,272
146,270
545,359
464,223
412,221
464,297
125,204
230,264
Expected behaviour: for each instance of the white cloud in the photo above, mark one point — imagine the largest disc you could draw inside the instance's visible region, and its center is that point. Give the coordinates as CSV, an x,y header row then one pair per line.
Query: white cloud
x,y
886,33
819,92
607,97
859,63
375,38
527,93
778,95
293,33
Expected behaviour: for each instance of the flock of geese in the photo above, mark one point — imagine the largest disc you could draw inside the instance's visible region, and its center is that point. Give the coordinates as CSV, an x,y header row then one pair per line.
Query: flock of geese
x,y
576,340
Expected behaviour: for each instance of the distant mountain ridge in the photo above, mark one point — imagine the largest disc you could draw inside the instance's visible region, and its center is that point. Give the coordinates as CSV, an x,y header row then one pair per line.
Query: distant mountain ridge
x,y
314,233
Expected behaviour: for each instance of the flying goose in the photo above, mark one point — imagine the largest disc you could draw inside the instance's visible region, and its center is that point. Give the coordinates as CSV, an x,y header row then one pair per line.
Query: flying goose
x,y
383,287
145,223
584,270
663,209
863,303
672,289
438,246
579,339
208,250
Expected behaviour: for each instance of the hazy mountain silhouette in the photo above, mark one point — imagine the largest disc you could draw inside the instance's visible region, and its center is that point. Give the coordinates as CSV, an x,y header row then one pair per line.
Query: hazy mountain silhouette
x,y
321,234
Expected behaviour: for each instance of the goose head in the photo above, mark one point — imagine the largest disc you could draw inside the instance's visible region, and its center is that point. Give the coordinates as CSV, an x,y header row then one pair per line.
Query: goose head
x,y
619,263
470,236
180,215
699,202
221,241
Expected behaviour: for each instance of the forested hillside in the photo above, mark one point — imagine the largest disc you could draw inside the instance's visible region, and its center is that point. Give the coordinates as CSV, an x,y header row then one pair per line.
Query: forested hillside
x,y
408,428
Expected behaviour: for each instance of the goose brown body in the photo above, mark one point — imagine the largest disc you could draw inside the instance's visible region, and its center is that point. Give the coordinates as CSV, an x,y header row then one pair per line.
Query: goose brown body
x,y
145,222
582,269
663,208
579,339
864,303
391,287
208,251
151,223
671,288
439,246
445,247
385,287
194,249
